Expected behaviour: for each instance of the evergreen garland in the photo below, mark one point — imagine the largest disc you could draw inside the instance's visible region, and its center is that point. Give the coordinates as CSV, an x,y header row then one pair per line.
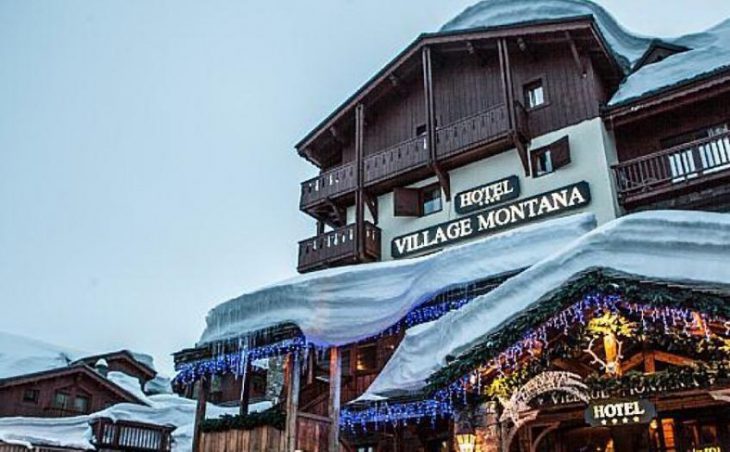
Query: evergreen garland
x,y
653,294
274,417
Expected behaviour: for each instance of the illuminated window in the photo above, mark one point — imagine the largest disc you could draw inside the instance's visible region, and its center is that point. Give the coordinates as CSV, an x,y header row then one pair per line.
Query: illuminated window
x,y
367,358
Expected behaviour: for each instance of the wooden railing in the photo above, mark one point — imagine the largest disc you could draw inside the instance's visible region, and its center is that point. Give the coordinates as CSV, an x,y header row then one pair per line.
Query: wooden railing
x,y
471,131
337,245
402,157
335,182
674,168
131,436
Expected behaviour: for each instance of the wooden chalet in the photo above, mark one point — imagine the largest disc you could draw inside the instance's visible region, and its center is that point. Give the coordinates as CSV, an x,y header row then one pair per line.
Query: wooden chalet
x,y
465,133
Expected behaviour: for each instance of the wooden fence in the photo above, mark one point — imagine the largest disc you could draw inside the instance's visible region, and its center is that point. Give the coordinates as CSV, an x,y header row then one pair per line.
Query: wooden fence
x,y
261,439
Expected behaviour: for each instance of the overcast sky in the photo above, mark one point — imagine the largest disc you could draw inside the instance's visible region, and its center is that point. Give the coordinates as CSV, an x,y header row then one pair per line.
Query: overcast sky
x,y
147,169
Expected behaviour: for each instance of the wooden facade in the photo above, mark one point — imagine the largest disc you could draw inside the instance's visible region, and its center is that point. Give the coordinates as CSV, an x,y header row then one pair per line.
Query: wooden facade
x,y
68,391
445,102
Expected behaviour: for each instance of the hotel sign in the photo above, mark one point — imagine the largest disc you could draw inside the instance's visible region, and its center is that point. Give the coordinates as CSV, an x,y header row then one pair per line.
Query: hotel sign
x,y
620,412
530,209
487,195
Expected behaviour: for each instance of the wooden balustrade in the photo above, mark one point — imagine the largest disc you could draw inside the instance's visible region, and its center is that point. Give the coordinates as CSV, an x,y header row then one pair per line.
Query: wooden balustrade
x,y
335,182
673,169
402,157
339,245
471,131
131,436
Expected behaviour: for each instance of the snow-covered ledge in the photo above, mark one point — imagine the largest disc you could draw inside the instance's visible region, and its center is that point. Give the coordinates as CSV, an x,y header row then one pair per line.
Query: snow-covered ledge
x,y
689,247
345,305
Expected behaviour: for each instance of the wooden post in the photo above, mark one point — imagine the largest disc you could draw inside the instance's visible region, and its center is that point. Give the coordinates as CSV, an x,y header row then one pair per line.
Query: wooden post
x,y
442,176
203,389
293,370
334,401
246,389
360,192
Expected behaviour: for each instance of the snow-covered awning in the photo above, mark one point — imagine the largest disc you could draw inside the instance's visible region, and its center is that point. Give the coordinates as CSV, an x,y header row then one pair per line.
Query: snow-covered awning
x,y
676,246
344,305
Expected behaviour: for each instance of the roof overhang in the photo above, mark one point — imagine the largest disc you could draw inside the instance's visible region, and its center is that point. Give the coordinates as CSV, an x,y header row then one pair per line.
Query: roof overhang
x,y
412,52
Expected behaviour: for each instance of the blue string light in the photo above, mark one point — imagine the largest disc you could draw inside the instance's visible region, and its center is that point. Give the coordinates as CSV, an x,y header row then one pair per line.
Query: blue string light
x,y
394,414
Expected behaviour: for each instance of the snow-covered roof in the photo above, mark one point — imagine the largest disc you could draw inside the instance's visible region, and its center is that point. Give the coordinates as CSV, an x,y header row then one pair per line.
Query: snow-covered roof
x,y
626,46
709,53
677,246
345,305
75,432
21,355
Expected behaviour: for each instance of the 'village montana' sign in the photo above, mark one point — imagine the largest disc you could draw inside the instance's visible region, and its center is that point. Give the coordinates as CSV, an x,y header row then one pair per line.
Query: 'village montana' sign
x,y
620,412
530,209
487,195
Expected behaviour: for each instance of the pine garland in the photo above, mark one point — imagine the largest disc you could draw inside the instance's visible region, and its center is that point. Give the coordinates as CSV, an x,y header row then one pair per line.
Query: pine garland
x,y
273,417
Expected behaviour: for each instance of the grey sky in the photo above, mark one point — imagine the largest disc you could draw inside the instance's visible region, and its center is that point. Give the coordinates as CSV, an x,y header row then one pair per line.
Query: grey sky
x,y
146,164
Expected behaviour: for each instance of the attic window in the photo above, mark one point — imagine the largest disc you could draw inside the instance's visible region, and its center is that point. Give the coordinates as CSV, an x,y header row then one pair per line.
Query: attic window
x,y
534,94
31,395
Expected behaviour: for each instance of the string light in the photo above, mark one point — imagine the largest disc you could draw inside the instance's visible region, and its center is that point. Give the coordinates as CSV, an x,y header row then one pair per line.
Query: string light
x,y
394,414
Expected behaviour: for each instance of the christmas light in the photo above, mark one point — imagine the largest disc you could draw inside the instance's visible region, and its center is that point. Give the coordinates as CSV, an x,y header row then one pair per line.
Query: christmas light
x,y
380,414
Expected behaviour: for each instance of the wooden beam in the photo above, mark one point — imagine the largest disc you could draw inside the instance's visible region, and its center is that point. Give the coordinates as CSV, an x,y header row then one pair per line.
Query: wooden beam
x,y
334,400
471,50
576,55
524,48
340,215
336,135
442,176
372,203
246,389
444,180
293,374
203,390
574,366
360,182
671,358
634,361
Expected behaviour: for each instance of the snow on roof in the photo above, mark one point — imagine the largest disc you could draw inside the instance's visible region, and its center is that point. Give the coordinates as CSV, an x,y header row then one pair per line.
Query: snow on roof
x,y
347,304
628,47
21,355
709,53
678,246
76,432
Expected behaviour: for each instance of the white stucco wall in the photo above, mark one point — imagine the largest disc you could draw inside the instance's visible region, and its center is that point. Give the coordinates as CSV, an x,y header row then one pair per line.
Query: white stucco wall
x,y
591,150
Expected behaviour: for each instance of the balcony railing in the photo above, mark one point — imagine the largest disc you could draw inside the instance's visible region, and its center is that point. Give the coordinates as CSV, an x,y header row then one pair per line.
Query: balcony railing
x,y
412,154
131,436
673,169
471,131
335,182
395,160
337,247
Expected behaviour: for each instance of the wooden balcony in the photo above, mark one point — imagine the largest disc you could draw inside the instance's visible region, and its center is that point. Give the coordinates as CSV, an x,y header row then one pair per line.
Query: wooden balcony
x,y
131,436
673,171
409,159
338,247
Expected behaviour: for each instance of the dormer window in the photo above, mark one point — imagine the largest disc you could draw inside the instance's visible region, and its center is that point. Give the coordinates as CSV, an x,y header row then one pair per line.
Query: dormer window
x,y
534,94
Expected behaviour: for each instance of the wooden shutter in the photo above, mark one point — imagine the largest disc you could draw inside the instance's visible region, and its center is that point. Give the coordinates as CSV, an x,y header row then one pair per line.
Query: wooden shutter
x,y
406,202
560,152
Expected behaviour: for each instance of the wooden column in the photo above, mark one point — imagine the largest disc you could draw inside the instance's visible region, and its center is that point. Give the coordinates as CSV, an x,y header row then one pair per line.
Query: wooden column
x,y
203,390
293,372
334,400
509,100
360,178
443,176
246,389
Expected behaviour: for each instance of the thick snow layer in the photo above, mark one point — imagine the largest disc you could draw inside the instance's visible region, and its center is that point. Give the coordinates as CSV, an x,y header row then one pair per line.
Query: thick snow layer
x,y
710,53
627,46
344,305
76,431
21,355
692,247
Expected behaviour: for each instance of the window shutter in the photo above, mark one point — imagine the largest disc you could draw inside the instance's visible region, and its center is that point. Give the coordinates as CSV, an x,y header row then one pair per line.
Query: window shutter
x,y
406,202
560,152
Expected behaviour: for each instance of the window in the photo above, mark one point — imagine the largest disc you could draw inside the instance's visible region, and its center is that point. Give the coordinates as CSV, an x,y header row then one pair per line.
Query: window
x,y
534,94
81,404
61,400
365,449
367,358
417,202
430,200
31,395
549,158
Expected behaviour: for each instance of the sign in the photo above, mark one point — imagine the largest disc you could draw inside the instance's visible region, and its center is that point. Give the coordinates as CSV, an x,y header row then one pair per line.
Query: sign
x,y
713,448
534,208
620,412
487,195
